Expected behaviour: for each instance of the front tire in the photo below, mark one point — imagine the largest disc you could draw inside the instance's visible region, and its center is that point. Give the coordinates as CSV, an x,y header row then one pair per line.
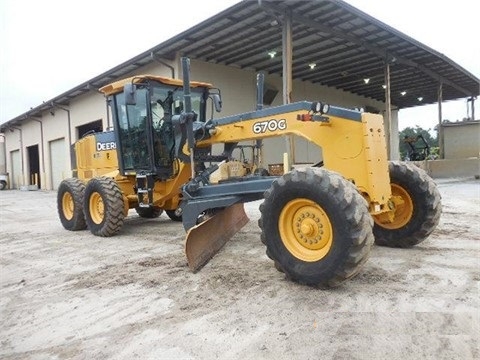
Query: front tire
x,y
70,204
148,212
103,206
316,227
418,207
171,214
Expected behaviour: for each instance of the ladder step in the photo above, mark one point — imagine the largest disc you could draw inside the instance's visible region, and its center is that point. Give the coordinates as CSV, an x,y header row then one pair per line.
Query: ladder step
x,y
144,184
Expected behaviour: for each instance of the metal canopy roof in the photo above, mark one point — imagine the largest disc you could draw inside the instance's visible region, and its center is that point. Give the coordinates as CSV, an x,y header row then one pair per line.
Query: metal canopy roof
x,y
345,44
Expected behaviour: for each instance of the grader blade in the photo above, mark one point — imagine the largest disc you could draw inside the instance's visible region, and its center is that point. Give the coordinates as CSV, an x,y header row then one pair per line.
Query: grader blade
x,y
207,238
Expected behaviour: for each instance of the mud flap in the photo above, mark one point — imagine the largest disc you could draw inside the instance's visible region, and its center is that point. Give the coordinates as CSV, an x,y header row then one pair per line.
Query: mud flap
x,y
206,239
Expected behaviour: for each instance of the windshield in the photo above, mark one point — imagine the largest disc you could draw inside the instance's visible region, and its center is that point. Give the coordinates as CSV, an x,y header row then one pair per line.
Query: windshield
x,y
132,123
146,137
169,101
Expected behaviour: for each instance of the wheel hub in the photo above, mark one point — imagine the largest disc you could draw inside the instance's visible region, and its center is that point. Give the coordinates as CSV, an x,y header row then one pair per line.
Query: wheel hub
x,y
305,229
97,208
403,208
309,233
67,206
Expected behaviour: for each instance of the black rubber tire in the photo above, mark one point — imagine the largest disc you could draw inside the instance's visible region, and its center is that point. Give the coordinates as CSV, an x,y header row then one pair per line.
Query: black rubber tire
x,y
109,220
73,218
347,212
3,185
427,207
148,212
172,216
261,172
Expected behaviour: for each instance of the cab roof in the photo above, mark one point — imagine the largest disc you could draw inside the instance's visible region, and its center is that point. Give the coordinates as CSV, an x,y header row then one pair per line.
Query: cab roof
x,y
117,86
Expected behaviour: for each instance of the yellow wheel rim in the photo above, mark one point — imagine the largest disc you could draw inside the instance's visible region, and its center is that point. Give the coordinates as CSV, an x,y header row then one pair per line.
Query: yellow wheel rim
x,y
68,206
305,230
403,209
96,207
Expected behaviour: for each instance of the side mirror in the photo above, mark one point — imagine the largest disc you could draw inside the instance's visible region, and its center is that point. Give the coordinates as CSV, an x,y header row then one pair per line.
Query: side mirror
x,y
130,94
217,100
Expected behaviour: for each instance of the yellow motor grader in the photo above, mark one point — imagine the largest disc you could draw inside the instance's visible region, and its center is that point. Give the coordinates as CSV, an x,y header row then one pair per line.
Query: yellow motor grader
x,y
317,223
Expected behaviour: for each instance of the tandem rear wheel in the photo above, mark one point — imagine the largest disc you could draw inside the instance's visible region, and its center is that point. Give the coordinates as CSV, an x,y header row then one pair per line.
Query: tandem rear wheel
x,y
417,207
70,204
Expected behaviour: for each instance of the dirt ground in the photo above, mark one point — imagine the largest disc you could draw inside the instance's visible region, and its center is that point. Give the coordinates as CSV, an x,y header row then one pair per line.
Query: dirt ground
x,y
71,295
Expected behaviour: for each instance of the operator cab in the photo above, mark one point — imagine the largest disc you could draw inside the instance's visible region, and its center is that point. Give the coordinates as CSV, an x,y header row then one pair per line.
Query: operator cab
x,y
143,107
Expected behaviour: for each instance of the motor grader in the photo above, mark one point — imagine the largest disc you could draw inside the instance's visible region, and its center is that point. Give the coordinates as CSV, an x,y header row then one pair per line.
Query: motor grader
x,y
317,223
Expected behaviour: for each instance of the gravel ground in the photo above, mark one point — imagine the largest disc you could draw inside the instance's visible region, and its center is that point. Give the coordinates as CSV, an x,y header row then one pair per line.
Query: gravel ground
x,y
71,295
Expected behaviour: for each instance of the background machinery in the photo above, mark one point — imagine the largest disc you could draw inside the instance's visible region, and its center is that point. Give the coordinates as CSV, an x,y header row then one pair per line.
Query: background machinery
x,y
318,223
418,148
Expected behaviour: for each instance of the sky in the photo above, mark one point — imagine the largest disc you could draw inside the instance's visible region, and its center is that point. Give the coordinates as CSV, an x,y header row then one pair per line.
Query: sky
x,y
48,47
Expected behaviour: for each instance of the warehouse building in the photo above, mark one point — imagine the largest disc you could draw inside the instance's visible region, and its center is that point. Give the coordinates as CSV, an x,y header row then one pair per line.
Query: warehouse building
x,y
308,50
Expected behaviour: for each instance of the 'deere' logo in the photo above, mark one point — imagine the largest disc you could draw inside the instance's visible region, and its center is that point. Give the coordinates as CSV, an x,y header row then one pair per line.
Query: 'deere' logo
x,y
102,146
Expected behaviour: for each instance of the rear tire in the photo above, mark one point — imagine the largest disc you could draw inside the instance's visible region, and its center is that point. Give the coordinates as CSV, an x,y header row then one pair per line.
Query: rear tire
x,y
70,204
148,212
103,206
316,227
418,213
3,185
171,214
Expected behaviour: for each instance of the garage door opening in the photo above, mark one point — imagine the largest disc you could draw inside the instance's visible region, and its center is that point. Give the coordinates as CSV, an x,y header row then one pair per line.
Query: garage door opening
x,y
91,127
58,162
34,166
17,173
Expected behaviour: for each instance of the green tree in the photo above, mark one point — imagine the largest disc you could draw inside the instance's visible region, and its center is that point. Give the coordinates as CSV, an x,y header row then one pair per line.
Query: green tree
x,y
417,142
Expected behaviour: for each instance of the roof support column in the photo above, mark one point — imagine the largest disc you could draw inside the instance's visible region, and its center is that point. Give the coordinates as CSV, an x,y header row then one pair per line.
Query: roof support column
x,y
391,122
388,110
287,55
441,140
177,64
471,100
42,173
473,107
